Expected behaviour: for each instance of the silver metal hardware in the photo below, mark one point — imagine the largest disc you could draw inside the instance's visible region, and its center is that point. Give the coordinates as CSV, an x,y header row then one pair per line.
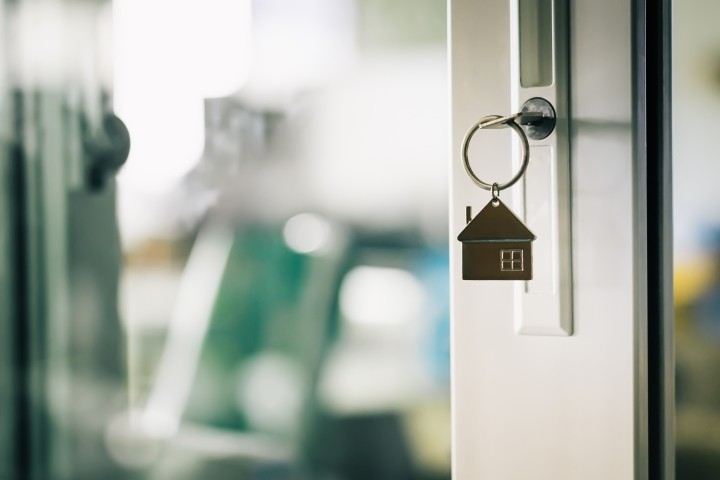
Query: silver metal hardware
x,y
498,122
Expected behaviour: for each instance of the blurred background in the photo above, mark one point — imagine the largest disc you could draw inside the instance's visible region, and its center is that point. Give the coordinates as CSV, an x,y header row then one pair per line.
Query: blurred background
x,y
261,290
696,202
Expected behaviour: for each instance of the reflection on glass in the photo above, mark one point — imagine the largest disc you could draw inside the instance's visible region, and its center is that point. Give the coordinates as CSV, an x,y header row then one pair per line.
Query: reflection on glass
x,y
696,98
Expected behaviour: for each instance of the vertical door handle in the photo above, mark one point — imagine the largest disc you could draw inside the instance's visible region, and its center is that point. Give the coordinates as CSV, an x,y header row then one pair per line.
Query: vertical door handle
x,y
539,75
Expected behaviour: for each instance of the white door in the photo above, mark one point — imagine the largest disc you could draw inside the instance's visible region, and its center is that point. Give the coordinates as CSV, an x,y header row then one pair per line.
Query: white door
x,y
569,400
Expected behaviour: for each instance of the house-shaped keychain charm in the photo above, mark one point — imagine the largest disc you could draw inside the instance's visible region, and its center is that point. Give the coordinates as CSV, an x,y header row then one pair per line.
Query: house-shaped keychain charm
x,y
496,245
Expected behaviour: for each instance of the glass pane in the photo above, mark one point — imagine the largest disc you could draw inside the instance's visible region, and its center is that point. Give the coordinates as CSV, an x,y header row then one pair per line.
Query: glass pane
x,y
696,98
263,292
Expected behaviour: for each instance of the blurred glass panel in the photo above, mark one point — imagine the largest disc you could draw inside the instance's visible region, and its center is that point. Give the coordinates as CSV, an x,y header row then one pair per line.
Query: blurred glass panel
x,y
696,96
263,293
284,289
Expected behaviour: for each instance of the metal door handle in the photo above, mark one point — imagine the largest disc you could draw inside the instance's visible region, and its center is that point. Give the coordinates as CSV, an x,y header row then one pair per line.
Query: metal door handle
x,y
539,75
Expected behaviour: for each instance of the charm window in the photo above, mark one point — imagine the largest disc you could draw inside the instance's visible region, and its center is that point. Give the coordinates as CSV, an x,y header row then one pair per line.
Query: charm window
x,y
511,260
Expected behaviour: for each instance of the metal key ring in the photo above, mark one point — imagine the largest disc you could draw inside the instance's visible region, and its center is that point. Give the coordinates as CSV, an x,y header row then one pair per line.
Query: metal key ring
x,y
489,121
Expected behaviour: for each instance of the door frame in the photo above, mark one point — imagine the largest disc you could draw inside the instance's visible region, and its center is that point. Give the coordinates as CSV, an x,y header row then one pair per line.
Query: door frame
x,y
651,397
653,136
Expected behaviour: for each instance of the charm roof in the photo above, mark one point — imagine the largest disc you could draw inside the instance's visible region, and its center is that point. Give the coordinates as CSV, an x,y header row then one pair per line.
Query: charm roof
x,y
494,224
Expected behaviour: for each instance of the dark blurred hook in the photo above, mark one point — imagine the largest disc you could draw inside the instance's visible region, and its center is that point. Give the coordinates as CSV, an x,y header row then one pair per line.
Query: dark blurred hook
x,y
106,151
